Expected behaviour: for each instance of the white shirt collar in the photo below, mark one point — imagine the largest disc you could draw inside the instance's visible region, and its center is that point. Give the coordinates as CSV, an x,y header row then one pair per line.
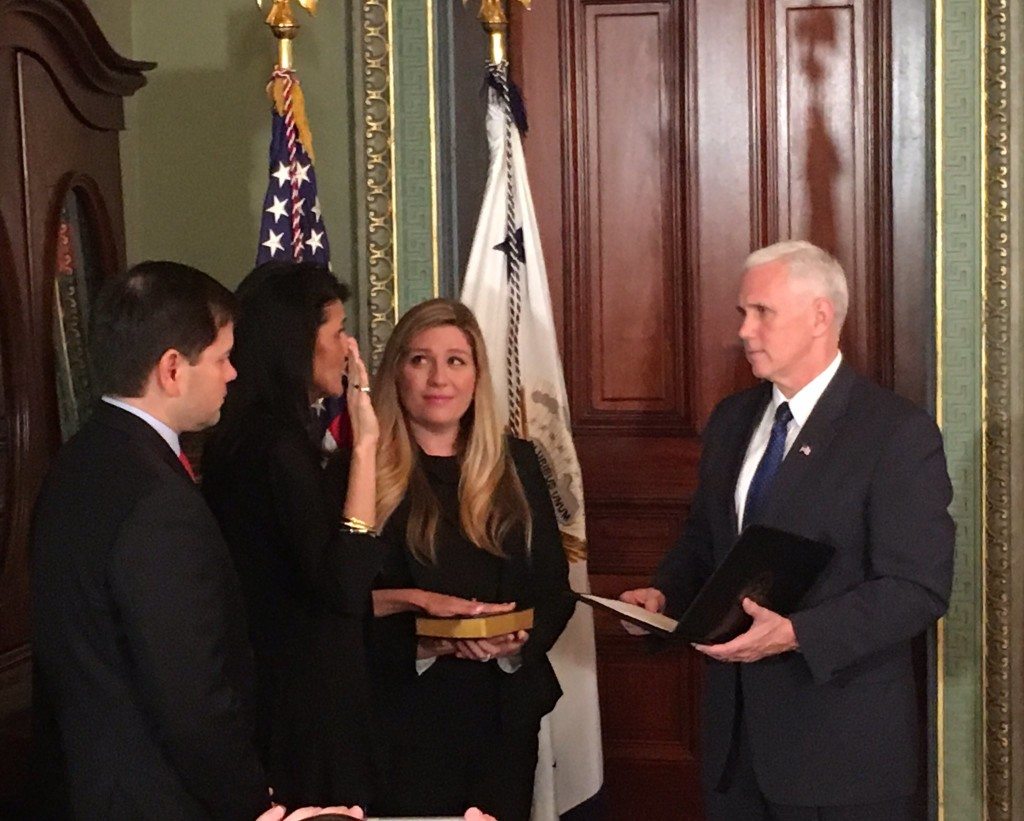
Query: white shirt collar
x,y
169,436
807,397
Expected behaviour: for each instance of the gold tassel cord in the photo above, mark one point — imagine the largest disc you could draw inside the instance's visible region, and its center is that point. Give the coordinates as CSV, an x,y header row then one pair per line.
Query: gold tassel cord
x,y
275,91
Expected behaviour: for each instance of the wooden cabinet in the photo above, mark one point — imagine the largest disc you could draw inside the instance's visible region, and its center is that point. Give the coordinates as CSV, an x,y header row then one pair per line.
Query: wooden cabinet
x,y
61,230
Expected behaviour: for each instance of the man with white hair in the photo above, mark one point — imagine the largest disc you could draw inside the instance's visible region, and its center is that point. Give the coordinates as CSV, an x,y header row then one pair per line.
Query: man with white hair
x,y
815,716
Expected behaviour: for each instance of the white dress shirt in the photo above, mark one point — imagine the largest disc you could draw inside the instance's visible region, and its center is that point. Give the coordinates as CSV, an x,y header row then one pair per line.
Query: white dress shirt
x,y
800,406
169,436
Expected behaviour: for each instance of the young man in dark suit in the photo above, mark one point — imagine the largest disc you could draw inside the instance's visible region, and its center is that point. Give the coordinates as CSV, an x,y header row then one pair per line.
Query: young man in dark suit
x,y
141,647
814,716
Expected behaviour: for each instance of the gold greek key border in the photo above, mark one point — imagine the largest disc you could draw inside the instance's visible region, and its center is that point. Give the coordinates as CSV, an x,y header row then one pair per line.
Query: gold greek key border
x,y
379,168
996,422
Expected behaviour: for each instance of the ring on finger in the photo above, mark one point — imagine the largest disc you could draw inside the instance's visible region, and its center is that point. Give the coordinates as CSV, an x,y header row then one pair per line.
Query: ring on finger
x,y
364,388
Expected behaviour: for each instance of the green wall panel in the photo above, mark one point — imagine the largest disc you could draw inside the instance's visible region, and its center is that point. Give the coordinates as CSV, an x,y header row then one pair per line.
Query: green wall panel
x,y
414,140
960,401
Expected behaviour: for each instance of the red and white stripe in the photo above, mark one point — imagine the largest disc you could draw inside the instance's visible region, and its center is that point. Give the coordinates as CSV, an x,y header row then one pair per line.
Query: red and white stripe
x,y
293,163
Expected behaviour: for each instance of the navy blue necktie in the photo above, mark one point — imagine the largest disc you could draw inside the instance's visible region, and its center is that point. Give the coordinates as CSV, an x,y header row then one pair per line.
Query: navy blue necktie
x,y
769,464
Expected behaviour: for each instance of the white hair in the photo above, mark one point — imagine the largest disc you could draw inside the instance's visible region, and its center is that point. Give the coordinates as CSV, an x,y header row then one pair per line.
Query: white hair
x,y
808,262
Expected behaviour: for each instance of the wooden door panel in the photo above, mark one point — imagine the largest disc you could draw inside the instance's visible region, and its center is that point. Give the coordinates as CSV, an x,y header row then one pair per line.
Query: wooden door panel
x,y
827,166
649,728
650,528
725,188
634,351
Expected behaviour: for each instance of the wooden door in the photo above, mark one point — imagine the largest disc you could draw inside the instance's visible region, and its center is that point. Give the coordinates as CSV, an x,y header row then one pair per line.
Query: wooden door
x,y
61,89
669,138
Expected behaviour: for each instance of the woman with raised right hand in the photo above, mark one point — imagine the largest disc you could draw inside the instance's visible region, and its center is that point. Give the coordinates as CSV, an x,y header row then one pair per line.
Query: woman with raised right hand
x,y
299,519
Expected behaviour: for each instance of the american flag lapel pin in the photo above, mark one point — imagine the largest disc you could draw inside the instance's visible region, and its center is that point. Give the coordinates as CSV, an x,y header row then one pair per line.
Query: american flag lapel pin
x,y
806,450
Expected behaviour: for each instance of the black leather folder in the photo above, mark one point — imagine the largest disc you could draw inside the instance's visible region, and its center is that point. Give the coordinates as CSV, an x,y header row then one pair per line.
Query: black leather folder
x,y
772,567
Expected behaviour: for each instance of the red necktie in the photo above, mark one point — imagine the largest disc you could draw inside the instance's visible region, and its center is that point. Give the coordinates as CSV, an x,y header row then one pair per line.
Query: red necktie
x,y
185,463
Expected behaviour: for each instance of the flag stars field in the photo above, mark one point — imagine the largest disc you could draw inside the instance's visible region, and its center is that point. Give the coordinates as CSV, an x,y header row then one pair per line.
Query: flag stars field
x,y
273,243
291,193
315,241
282,175
278,209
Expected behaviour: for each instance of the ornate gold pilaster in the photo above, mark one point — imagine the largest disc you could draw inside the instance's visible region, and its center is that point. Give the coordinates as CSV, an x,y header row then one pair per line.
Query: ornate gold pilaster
x,y
998,427
378,162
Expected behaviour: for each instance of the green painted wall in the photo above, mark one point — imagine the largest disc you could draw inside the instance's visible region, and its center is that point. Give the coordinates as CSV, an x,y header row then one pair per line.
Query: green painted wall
x,y
413,133
115,19
194,155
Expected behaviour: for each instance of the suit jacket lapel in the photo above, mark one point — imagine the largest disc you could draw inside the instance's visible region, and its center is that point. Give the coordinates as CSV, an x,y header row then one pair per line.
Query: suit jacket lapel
x,y
140,432
749,420
811,444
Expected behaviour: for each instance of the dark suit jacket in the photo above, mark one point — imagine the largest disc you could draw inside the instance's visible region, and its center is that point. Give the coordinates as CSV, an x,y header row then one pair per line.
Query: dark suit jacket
x,y
307,588
139,635
836,721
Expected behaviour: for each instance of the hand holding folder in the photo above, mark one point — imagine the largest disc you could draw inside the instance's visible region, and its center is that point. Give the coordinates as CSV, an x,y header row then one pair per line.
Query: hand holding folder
x,y
772,568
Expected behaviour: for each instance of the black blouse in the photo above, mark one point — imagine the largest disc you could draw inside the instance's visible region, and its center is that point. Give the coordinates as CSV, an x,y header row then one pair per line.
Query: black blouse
x,y
536,578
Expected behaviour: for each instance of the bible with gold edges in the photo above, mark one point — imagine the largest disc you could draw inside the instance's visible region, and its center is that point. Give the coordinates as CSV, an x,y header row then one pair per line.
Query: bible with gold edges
x,y
474,627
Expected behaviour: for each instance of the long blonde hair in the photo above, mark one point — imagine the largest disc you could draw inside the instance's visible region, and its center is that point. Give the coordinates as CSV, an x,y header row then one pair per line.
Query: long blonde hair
x,y
491,498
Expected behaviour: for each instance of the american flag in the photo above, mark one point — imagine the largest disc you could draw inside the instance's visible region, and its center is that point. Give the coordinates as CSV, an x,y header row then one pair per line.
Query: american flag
x,y
278,232
292,228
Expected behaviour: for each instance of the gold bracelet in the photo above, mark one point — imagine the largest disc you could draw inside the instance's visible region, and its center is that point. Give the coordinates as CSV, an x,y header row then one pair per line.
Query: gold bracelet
x,y
353,525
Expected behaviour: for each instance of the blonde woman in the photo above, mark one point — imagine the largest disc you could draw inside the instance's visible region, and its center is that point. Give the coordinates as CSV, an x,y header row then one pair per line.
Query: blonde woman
x,y
466,514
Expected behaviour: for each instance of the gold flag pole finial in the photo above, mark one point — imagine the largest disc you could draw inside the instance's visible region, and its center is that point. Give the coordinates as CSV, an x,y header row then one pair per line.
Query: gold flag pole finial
x,y
495,22
282,23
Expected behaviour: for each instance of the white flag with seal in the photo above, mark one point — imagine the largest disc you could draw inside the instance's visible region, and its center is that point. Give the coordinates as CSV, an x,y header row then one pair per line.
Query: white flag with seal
x,y
506,286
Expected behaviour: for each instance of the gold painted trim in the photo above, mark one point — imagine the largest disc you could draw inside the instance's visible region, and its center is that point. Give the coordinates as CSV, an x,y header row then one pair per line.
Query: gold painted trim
x,y
996,421
432,109
379,169
982,483
394,163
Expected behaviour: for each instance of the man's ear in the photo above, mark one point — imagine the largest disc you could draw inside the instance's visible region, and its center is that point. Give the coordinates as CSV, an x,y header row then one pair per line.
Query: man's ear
x,y
824,315
168,372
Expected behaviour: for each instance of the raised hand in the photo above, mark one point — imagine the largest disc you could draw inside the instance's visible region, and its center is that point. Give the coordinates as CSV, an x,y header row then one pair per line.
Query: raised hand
x,y
365,430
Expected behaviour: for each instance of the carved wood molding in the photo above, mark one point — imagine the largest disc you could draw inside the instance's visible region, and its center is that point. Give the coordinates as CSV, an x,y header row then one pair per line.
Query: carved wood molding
x,y
91,75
